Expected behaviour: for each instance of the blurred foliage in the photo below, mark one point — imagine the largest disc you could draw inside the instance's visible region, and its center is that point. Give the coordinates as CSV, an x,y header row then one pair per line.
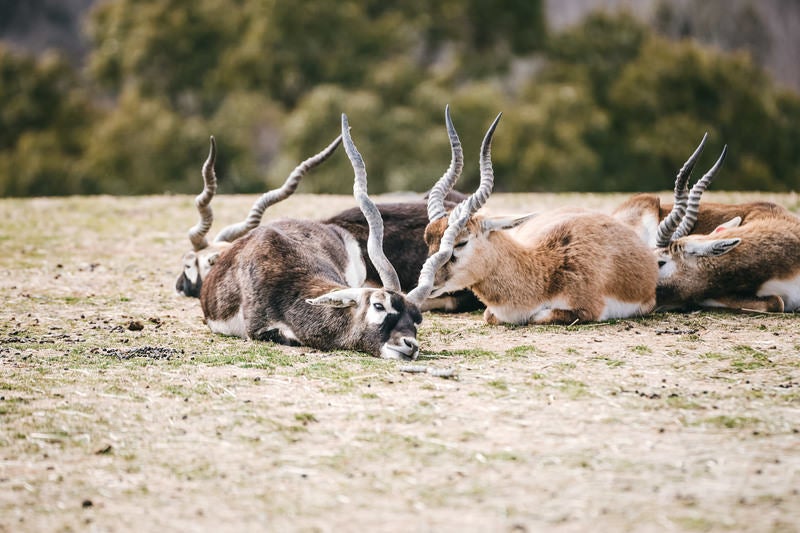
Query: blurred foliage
x,y
605,105
45,121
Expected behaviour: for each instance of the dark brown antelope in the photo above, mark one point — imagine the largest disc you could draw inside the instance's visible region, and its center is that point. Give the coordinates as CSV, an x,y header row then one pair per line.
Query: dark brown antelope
x,y
656,223
300,282
558,267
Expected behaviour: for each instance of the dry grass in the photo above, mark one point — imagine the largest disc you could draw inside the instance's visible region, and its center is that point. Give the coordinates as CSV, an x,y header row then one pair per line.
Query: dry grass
x,y
120,411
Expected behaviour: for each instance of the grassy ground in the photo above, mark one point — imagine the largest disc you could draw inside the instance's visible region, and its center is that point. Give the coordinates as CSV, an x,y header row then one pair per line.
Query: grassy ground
x,y
120,411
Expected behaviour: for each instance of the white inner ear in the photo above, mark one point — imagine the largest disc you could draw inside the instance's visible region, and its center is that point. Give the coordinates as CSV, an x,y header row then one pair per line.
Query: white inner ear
x,y
710,248
501,223
340,298
732,223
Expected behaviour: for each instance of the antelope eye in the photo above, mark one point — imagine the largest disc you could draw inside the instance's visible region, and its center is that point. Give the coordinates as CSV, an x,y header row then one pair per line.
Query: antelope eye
x,y
661,263
378,306
460,244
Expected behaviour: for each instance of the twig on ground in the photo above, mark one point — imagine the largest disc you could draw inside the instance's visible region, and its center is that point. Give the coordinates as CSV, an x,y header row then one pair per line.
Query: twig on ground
x,y
445,373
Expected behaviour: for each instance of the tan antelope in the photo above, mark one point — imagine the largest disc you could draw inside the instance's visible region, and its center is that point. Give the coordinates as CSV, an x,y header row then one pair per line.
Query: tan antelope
x,y
300,282
656,223
404,229
558,267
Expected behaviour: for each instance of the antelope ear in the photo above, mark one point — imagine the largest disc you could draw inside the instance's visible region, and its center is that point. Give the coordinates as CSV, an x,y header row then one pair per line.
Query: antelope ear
x,y
212,258
710,248
501,223
732,223
338,299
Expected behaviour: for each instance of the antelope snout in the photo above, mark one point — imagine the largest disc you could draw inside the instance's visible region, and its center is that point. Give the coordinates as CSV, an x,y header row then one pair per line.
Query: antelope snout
x,y
406,348
412,345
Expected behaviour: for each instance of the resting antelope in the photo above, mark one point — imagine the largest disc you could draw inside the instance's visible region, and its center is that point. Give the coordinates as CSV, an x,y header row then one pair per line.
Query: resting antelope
x,y
558,267
735,256
300,282
751,267
404,224
656,223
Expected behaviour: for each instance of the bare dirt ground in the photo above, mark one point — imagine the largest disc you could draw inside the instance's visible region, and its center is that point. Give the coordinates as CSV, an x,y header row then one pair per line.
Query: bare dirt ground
x,y
120,411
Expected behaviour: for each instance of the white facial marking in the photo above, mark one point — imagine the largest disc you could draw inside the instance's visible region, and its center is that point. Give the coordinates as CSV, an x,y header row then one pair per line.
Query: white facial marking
x,y
191,270
234,326
380,304
460,269
668,269
788,289
356,272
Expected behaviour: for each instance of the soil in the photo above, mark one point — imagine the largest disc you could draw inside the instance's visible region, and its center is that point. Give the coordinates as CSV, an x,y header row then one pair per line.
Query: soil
x,y
120,411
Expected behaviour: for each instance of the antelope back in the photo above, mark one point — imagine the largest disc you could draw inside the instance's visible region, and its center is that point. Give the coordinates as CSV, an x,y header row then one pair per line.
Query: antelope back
x,y
643,213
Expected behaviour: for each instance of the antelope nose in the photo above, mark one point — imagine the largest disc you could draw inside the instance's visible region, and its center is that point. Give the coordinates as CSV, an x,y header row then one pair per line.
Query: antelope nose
x,y
412,343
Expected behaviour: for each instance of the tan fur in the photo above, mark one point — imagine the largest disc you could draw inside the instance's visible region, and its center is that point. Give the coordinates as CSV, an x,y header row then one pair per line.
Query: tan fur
x,y
576,260
646,209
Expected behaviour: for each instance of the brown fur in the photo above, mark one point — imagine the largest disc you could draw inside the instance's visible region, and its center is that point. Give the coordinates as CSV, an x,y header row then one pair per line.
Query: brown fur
x,y
576,258
635,209
268,276
403,243
769,250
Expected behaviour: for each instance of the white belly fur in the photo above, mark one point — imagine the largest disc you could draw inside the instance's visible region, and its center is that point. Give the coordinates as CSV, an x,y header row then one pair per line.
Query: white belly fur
x,y
788,289
234,326
617,309
542,312
510,314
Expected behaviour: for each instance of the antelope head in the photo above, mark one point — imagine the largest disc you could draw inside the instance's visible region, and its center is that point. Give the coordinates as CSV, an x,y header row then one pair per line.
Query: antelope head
x,y
197,262
456,240
682,256
384,320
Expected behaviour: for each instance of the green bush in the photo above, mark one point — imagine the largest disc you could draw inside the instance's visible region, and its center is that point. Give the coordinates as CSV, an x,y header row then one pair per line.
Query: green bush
x,y
606,105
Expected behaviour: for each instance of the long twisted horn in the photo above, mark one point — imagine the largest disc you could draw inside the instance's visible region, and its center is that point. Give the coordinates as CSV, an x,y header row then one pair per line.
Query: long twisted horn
x,y
667,226
234,231
457,221
693,205
437,194
385,269
481,195
198,232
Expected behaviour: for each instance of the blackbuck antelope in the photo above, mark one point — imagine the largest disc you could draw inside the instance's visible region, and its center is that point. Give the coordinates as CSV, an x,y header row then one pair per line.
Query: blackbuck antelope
x,y
404,230
657,223
559,267
301,282
750,267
